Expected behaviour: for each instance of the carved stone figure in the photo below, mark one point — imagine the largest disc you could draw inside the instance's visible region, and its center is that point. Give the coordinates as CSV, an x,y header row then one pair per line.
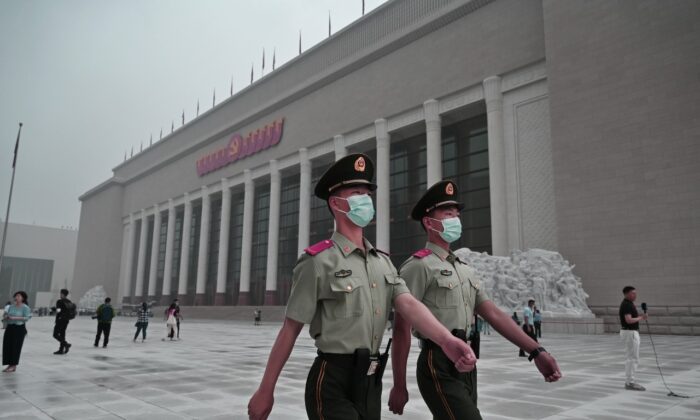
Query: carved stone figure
x,y
533,274
93,298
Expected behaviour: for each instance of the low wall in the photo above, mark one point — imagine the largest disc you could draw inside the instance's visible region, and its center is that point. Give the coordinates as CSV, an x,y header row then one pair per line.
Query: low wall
x,y
678,320
556,324
231,313
572,325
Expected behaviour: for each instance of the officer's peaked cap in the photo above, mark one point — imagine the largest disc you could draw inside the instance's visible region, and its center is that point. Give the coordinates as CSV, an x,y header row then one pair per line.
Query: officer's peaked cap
x,y
354,169
443,193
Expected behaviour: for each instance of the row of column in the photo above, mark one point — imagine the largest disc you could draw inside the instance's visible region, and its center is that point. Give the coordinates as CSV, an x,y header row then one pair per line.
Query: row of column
x,y
494,109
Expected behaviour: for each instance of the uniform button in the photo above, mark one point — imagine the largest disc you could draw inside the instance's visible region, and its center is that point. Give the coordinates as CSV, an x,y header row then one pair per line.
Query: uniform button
x,y
450,285
376,337
349,288
374,285
377,311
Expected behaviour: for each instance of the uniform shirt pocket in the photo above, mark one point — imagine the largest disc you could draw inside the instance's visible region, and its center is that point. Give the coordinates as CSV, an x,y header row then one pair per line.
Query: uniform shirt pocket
x,y
447,291
348,294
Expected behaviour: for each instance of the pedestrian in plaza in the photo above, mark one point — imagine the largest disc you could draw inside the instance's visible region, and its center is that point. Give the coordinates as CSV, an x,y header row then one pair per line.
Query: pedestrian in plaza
x,y
538,322
345,288
528,323
453,293
170,321
16,315
104,315
515,318
257,316
65,311
629,334
142,322
178,316
485,327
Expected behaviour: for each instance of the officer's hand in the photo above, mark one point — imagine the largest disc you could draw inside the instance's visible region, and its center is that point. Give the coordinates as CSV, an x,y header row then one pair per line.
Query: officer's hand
x,y
260,405
548,367
460,353
398,397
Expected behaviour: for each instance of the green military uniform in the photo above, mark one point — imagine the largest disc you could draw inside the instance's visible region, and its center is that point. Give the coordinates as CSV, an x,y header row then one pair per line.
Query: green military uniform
x,y
451,290
345,294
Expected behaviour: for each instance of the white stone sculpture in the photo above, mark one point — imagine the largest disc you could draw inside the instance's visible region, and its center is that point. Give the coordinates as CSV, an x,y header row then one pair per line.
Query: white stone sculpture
x,y
93,298
533,274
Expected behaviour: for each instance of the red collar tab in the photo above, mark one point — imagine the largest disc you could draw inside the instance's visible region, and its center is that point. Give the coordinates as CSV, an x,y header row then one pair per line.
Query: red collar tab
x,y
319,247
422,253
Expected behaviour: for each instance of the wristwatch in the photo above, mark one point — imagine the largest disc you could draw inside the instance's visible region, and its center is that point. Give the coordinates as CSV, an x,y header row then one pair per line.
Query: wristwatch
x,y
536,353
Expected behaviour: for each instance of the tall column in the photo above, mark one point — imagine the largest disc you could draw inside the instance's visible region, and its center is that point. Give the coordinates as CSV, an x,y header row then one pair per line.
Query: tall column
x,y
169,245
185,252
129,269
383,193
339,147
203,257
141,264
247,239
304,200
153,274
273,234
433,141
497,164
222,267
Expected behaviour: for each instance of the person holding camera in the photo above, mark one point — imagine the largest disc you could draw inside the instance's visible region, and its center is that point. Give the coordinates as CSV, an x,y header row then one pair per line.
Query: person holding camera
x,y
629,334
104,315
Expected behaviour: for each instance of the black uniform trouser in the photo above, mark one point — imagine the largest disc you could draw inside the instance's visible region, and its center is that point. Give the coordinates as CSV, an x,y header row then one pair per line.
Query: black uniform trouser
x,y
103,328
329,396
530,333
12,342
59,332
538,329
448,393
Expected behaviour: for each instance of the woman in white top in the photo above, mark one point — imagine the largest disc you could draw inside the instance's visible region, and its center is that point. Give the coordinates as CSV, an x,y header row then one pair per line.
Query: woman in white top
x,y
16,316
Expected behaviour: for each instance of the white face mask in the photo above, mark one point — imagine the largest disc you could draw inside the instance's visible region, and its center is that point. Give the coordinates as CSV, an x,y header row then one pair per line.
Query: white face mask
x,y
451,229
361,209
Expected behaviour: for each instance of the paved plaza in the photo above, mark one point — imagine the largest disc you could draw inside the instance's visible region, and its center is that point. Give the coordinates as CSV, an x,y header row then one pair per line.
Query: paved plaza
x,y
212,371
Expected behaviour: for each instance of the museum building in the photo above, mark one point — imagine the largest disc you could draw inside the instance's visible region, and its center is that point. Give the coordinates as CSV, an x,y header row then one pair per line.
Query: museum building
x,y
547,114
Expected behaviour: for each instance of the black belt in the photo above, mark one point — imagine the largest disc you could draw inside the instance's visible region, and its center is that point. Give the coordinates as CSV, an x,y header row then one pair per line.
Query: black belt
x,y
345,361
629,329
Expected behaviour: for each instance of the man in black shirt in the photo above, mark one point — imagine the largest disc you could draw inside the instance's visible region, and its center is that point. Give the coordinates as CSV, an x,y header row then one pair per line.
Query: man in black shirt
x,y
62,319
629,333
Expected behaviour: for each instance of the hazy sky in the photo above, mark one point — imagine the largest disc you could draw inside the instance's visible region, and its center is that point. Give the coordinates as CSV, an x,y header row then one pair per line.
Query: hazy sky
x,y
92,78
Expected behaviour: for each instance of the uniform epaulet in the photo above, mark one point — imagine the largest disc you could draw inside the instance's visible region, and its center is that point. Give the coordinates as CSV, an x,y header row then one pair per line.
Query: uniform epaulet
x,y
319,247
421,253
383,252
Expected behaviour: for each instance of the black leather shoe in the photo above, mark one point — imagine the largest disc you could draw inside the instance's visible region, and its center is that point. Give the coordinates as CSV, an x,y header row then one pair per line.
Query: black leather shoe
x,y
68,346
58,352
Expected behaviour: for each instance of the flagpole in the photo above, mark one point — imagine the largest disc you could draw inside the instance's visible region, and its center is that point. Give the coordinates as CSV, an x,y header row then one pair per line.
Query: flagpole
x,y
9,199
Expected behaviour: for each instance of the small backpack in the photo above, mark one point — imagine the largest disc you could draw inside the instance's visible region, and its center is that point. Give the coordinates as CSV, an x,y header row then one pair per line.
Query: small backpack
x,y
70,309
106,314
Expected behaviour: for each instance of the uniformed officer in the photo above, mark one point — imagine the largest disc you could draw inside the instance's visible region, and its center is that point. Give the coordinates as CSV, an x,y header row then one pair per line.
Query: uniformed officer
x,y
452,292
345,288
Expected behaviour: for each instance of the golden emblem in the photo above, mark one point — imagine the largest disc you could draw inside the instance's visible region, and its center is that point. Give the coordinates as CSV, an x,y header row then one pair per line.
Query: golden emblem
x,y
360,164
449,189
